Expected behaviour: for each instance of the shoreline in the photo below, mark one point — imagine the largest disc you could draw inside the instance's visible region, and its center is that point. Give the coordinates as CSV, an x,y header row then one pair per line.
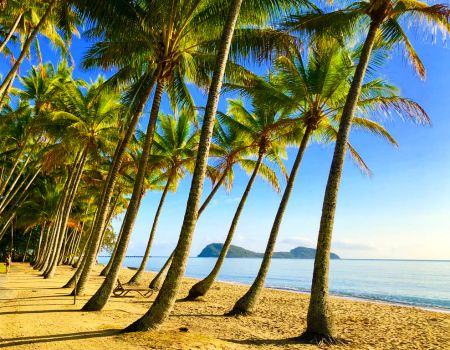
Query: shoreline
x,y
343,259
337,295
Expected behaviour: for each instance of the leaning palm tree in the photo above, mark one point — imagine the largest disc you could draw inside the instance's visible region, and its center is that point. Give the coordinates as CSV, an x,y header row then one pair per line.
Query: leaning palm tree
x,y
174,147
163,53
314,88
90,120
227,150
383,21
165,300
45,18
265,131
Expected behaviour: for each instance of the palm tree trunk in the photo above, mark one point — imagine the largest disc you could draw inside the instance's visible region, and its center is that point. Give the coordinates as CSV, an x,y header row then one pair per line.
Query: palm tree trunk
x,y
3,96
212,193
44,247
11,196
11,171
66,238
158,280
113,175
11,32
137,277
70,242
247,303
6,225
67,208
202,287
26,47
38,249
105,271
100,298
26,249
50,249
55,231
108,221
81,259
320,321
162,306
73,253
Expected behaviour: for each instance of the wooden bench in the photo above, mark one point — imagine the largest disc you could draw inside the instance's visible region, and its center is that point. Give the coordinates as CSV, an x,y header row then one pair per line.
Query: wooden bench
x,y
121,290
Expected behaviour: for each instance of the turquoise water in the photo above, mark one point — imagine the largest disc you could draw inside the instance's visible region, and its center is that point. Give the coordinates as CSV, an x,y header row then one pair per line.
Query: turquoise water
x,y
419,283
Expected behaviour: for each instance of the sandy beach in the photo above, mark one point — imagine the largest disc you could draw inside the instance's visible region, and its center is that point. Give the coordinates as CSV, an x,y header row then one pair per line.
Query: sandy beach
x,y
38,314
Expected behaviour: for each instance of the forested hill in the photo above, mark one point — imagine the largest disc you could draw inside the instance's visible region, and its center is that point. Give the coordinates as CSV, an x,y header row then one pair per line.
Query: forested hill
x,y
212,250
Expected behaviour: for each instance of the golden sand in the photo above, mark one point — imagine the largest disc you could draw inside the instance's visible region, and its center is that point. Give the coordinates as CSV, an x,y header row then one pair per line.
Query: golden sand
x,y
38,314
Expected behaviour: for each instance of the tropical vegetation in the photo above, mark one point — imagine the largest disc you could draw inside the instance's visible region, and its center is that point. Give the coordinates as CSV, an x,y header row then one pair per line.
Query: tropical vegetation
x,y
77,153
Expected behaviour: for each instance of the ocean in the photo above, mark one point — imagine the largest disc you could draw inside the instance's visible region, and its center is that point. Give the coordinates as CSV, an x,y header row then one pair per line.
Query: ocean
x,y
409,282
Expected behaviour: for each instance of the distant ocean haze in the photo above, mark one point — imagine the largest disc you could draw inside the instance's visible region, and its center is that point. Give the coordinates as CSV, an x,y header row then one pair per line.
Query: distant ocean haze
x,y
410,282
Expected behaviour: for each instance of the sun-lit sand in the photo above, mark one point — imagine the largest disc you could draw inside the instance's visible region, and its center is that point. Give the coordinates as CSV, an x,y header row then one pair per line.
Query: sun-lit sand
x,y
37,314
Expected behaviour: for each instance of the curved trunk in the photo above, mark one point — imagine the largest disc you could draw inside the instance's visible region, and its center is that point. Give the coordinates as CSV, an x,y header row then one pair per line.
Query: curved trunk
x,y
158,280
26,47
211,195
67,208
5,182
162,306
319,320
249,300
43,249
67,237
38,250
27,182
70,246
6,225
105,271
110,184
55,232
7,197
79,265
137,277
107,222
3,98
73,253
50,247
202,287
11,32
100,298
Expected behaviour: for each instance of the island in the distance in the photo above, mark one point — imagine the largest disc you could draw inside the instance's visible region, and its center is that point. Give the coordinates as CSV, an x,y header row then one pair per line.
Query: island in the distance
x,y
213,250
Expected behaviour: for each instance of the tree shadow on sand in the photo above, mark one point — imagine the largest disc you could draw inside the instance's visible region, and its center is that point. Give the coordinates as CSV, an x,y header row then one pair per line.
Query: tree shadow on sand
x,y
10,342
284,341
21,312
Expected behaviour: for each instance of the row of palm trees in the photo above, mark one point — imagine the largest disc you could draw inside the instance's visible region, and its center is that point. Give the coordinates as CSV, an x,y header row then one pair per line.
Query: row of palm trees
x,y
72,158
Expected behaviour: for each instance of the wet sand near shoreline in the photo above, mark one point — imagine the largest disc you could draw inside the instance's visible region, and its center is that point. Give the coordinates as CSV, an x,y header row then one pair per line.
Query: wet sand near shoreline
x,y
38,314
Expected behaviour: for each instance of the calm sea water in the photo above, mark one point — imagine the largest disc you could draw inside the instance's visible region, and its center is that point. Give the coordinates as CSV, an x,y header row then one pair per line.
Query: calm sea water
x,y
419,283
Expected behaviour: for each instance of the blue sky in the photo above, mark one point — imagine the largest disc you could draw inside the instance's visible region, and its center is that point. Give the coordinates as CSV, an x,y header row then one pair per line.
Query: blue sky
x,y
402,211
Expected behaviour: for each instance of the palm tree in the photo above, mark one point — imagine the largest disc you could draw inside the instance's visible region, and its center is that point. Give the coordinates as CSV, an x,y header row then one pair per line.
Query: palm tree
x,y
90,120
264,130
227,149
383,18
175,147
48,14
163,304
315,88
165,50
